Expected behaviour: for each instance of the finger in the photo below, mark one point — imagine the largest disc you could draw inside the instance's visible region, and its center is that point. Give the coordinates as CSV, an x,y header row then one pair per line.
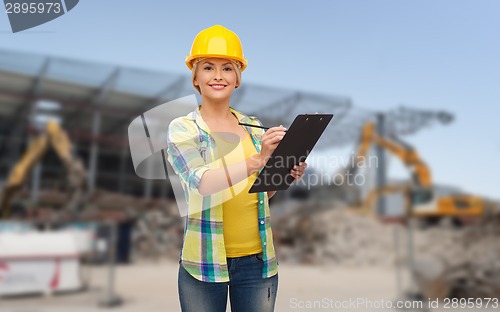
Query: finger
x,y
274,129
297,176
275,133
273,137
276,139
299,168
296,172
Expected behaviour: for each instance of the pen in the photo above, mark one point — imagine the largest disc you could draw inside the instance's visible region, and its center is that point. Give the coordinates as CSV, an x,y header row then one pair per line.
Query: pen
x,y
249,125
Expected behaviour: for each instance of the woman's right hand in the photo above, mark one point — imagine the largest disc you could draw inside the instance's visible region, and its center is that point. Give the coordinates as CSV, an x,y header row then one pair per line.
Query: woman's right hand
x,y
270,140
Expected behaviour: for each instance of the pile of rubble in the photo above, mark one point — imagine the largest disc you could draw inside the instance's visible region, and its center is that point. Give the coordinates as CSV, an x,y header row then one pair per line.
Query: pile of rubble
x,y
158,232
320,234
315,234
450,260
459,262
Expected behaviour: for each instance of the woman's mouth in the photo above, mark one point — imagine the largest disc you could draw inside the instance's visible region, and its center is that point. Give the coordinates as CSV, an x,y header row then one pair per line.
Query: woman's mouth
x,y
218,86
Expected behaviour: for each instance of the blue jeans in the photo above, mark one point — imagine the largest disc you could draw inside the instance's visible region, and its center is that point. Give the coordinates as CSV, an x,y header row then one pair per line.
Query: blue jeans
x,y
248,291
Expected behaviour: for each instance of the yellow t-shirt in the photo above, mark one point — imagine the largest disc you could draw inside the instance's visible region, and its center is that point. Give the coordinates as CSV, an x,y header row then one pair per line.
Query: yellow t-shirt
x,y
240,214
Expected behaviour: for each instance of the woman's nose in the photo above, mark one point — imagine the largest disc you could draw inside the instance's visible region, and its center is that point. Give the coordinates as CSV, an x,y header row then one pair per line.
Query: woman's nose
x,y
217,74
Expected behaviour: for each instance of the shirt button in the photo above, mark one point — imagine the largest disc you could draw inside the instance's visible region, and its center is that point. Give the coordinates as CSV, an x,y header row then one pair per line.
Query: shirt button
x,y
261,222
261,202
265,243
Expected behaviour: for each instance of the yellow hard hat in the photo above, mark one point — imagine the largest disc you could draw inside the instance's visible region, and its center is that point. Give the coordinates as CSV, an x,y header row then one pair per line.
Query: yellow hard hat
x,y
216,41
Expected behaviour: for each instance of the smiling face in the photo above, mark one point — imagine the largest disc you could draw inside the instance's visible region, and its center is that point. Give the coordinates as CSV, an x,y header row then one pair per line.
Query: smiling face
x,y
216,78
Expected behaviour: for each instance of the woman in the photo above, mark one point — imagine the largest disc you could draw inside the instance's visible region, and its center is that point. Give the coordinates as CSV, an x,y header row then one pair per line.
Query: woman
x,y
227,245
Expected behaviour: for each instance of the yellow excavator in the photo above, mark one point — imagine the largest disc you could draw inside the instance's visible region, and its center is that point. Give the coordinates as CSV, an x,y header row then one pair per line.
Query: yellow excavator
x,y
420,200
435,275
57,138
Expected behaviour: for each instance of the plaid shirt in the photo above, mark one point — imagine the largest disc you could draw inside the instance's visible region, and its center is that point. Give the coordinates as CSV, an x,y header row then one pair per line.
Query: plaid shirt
x,y
191,152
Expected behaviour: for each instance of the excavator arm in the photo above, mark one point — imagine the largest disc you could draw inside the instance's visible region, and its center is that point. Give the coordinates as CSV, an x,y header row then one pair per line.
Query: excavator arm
x,y
402,150
36,150
420,191
421,173
58,139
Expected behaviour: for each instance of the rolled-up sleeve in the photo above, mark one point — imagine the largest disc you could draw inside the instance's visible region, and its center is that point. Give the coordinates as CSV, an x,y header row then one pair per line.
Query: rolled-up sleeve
x,y
184,156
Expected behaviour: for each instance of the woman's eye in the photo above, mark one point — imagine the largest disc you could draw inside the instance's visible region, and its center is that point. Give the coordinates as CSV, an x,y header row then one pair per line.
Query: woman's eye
x,y
207,68
228,69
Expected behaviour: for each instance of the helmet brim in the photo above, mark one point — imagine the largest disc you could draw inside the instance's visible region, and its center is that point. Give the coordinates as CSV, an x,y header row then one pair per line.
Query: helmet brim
x,y
190,59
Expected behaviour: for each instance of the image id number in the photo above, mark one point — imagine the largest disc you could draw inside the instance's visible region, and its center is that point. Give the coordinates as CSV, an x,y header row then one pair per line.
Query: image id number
x,y
32,8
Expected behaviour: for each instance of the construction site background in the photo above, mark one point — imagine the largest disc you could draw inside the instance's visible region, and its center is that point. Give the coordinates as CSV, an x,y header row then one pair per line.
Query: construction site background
x,y
398,209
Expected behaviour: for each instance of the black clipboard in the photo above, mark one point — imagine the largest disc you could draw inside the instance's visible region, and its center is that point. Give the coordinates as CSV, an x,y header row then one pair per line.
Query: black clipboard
x,y
295,146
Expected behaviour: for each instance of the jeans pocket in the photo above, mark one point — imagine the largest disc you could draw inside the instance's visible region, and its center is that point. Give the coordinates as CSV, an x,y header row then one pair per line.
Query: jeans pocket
x,y
259,257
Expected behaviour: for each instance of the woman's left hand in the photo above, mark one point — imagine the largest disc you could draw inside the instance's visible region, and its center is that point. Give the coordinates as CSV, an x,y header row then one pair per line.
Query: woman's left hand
x,y
298,171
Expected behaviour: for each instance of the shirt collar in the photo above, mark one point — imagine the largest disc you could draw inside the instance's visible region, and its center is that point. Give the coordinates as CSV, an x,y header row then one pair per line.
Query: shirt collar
x,y
196,117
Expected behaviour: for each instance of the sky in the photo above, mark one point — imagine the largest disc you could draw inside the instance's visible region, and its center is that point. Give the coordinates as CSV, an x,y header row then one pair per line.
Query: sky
x,y
442,55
